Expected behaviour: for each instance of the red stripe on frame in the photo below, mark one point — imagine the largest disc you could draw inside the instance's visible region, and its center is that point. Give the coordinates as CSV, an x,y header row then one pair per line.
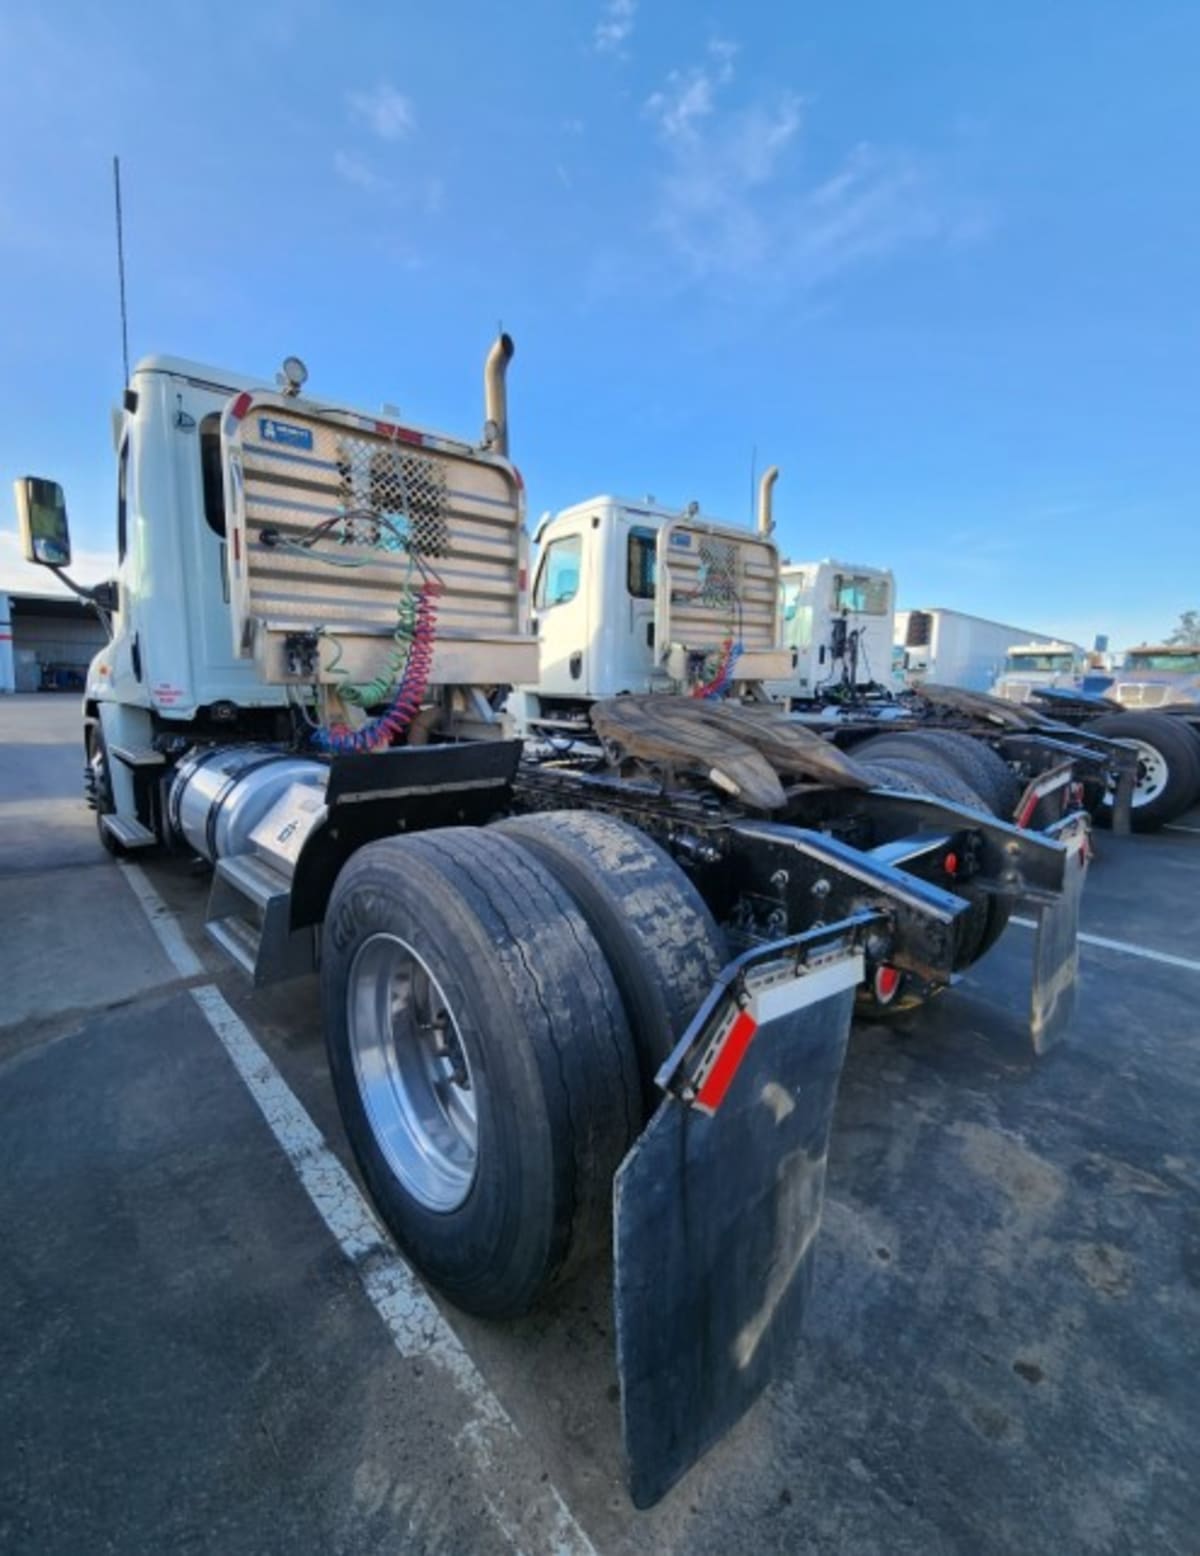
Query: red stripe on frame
x,y
720,1077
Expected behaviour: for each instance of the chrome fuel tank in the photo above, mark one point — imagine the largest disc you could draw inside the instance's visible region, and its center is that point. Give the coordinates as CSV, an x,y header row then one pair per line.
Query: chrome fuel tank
x,y
221,793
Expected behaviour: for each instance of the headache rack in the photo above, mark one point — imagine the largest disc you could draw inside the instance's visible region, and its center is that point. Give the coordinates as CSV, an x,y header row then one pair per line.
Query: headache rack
x,y
334,518
718,586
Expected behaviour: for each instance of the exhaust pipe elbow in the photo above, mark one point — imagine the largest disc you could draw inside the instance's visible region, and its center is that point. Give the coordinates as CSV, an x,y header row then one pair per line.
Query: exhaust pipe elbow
x,y
766,487
495,395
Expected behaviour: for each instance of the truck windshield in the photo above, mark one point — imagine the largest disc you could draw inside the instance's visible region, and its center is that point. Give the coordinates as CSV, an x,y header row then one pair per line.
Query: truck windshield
x,y
860,595
1020,662
1186,664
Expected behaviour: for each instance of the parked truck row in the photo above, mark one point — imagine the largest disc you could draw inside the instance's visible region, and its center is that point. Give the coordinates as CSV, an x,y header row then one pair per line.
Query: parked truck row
x,y
591,910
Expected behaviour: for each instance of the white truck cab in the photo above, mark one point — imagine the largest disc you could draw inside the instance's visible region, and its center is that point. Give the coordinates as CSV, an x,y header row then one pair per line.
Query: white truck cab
x,y
271,549
172,649
633,596
1028,666
837,627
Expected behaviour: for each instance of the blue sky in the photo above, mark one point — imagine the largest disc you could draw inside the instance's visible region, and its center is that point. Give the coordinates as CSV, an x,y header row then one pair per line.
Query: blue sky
x,y
938,261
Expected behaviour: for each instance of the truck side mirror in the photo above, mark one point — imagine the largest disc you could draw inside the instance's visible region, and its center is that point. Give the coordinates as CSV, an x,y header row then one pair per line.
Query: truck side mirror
x,y
42,520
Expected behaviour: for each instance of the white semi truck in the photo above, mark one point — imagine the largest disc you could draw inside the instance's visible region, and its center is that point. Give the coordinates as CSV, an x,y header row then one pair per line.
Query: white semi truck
x,y
1151,704
1029,666
568,994
837,624
952,648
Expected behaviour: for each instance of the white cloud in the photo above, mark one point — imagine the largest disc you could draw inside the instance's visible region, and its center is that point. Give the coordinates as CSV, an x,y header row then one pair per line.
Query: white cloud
x,y
22,577
684,102
386,112
723,52
731,200
614,27
353,170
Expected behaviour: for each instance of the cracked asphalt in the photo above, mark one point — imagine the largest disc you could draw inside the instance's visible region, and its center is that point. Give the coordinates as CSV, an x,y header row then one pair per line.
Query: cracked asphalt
x,y
1002,1351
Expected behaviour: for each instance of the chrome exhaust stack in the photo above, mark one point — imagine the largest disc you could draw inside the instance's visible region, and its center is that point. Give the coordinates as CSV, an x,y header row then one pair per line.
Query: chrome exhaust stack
x,y
495,395
766,487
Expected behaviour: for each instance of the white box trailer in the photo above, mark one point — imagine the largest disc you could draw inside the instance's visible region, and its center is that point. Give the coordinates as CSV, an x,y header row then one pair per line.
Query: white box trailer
x,y
951,648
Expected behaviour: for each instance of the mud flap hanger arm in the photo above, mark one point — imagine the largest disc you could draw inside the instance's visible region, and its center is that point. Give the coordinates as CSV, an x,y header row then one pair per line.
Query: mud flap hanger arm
x,y
752,989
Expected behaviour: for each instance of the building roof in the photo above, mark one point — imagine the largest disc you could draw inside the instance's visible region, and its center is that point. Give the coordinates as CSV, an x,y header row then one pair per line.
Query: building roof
x,y
63,607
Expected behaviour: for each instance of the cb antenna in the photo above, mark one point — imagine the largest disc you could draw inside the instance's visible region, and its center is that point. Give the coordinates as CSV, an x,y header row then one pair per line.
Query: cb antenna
x,y
121,265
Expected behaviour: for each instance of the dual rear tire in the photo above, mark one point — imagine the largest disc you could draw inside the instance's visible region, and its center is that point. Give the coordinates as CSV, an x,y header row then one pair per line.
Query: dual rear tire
x,y
953,767
496,1004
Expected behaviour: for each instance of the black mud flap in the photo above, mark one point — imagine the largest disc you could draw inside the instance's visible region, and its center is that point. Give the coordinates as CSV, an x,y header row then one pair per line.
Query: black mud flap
x,y
716,1208
1056,951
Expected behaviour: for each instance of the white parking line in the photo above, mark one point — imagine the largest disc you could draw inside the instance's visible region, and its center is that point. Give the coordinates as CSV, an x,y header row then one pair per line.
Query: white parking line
x,y
1167,958
181,956
529,1510
1178,826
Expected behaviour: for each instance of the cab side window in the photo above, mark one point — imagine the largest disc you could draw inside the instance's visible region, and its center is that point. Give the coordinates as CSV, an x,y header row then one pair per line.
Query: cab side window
x,y
558,572
641,563
210,473
123,501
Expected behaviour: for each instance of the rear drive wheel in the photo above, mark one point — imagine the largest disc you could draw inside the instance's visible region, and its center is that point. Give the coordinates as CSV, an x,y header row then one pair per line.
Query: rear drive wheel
x,y
1168,776
660,940
971,760
481,1060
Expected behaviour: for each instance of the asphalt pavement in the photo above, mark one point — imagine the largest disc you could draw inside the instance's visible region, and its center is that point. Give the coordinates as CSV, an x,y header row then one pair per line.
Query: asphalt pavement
x,y
1001,1352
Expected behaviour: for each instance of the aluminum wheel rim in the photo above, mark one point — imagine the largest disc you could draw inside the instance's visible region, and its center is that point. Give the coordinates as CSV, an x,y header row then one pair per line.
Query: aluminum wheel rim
x,y
1152,774
412,1071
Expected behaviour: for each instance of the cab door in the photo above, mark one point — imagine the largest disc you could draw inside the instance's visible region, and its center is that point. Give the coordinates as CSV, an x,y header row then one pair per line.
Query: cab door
x,y
560,612
632,586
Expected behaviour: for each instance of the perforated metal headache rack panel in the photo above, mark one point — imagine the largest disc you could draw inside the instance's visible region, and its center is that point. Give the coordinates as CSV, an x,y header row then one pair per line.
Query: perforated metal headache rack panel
x,y
717,582
332,516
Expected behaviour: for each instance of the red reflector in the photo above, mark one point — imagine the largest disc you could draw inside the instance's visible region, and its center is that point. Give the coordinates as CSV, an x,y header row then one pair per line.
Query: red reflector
x,y
720,1077
387,429
523,579
520,479
237,546
240,406
887,981
951,864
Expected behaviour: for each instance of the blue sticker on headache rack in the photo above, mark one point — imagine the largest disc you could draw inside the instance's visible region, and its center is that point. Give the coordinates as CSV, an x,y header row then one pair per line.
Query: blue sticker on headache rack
x,y
681,538
272,431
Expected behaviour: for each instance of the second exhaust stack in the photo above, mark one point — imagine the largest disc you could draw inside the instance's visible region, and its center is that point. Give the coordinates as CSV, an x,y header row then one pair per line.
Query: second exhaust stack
x,y
766,518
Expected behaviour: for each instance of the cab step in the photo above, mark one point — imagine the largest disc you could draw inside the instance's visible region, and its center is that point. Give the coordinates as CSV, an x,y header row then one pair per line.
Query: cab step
x,y
137,756
127,831
249,917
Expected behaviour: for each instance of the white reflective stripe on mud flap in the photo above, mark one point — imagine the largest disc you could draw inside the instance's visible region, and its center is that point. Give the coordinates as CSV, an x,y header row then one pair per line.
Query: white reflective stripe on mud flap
x,y
846,973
